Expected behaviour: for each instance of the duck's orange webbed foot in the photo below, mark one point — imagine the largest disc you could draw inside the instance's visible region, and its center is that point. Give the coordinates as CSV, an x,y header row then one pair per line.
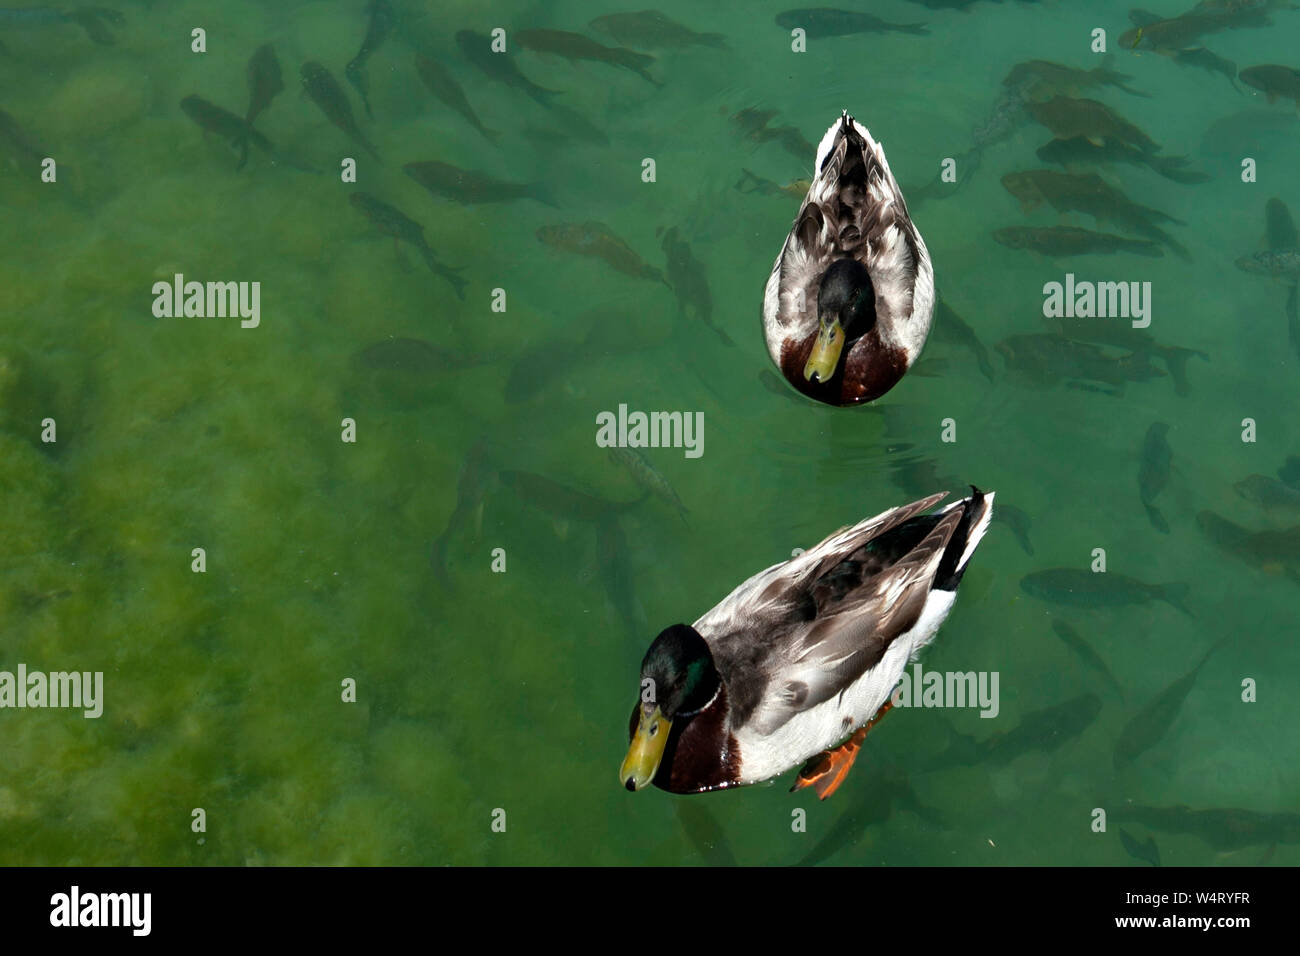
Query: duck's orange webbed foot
x,y
827,770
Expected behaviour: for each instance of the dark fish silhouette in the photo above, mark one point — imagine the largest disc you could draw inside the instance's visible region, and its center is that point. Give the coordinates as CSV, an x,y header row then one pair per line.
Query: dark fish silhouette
x,y
1222,829
1080,151
1083,650
951,329
443,85
1140,341
470,188
560,500
1273,81
820,22
225,124
1275,497
1071,241
377,31
1018,522
574,47
326,93
477,476
1153,472
690,283
651,30
1043,79
1146,852
1044,730
648,478
1270,550
1203,59
477,48
1153,721
1068,117
1076,588
393,222
264,84
595,239
613,559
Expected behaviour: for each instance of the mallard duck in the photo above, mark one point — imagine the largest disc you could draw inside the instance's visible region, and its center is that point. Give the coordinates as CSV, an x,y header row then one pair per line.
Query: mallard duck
x,y
801,656
851,295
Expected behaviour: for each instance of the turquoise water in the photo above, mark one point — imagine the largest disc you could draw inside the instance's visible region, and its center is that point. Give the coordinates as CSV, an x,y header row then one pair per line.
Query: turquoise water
x,y
479,691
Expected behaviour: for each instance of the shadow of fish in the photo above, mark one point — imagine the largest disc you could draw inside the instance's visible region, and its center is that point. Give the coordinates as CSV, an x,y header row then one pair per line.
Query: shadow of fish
x,y
1076,588
477,48
1045,360
689,283
1276,498
1204,59
705,833
821,22
1139,341
443,85
470,188
380,26
595,239
560,500
1222,829
881,793
1044,730
325,92
1082,650
226,125
613,560
652,30
1147,852
1149,726
1153,472
951,329
1063,241
264,84
1018,522
574,47
1079,151
1267,550
393,222
476,478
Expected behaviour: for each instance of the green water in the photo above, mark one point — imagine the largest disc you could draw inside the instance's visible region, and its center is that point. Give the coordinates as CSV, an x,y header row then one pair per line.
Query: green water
x,y
510,691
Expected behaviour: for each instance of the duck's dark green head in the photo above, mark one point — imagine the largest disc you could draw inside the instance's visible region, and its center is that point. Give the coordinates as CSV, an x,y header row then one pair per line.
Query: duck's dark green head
x,y
678,680
846,310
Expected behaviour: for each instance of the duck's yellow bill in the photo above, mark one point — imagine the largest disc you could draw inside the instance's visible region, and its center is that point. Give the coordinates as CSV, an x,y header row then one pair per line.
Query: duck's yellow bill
x,y
826,350
647,749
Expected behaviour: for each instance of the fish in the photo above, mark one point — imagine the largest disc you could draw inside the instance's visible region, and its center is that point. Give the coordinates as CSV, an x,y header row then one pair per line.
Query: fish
x,y
264,81
753,124
689,283
702,829
1018,522
380,26
1092,120
1149,725
1077,588
1090,658
393,222
1270,133
1279,229
1289,473
1272,550
414,356
440,82
574,126
1153,472
1222,829
1071,241
594,239
264,84
880,794
1274,263
821,22
477,48
1123,335
575,46
1079,151
560,500
1273,81
1043,79
1146,852
951,329
15,140
224,124
616,575
477,476
651,30
1274,497
470,188
1179,33
1046,359
751,182
1204,59
648,478
1044,730
326,93
1088,193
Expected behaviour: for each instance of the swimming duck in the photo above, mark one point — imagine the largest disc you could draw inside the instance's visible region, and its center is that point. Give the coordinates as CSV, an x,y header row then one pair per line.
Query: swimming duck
x,y
799,661
849,302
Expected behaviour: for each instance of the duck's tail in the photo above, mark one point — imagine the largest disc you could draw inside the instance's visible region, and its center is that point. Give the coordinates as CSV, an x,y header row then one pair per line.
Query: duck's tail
x,y
977,511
